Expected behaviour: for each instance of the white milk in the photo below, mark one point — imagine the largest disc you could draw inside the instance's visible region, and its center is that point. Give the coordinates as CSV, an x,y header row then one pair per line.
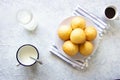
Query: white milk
x,y
27,20
25,53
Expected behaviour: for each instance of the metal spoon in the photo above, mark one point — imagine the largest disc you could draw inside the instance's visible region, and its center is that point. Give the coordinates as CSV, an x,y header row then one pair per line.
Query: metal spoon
x,y
37,60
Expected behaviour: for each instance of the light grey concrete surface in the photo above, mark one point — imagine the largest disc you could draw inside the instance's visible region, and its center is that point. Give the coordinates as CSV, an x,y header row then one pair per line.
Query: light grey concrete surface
x,y
105,65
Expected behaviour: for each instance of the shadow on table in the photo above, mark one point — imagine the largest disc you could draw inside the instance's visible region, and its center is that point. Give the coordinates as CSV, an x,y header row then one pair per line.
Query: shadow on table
x,y
32,71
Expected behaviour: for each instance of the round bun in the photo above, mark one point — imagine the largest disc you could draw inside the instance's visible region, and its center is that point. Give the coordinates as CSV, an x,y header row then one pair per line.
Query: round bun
x,y
86,49
69,48
78,36
91,33
64,32
78,22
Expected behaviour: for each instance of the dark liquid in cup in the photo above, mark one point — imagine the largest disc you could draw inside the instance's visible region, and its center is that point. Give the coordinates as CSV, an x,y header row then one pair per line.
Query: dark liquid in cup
x,y
110,12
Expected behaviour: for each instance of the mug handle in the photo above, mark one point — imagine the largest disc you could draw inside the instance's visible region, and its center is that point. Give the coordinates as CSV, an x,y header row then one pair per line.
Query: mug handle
x,y
118,18
17,65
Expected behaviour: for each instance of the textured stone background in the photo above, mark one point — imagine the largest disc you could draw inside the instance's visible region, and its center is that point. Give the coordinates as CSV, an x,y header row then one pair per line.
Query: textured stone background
x,y
105,65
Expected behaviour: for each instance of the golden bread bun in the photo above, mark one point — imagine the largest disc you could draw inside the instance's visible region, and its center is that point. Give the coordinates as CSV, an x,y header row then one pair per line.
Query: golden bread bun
x,y
78,22
70,48
78,36
64,32
86,48
91,33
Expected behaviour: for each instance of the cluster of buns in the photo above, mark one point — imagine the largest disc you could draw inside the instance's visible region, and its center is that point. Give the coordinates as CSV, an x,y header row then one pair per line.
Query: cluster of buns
x,y
77,37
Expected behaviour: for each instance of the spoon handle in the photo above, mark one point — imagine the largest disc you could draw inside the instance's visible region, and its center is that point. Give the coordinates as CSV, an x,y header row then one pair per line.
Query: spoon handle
x,y
37,60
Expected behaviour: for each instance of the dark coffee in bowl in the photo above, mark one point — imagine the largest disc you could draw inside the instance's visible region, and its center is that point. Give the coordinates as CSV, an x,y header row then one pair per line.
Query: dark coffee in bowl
x,y
110,12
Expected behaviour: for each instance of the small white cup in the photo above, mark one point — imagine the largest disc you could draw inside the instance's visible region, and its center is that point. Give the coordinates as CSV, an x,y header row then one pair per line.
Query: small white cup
x,y
27,19
111,13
